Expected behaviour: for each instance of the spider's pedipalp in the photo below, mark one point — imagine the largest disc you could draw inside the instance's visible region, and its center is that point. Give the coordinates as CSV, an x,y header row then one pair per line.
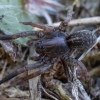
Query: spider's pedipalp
x,y
21,70
41,26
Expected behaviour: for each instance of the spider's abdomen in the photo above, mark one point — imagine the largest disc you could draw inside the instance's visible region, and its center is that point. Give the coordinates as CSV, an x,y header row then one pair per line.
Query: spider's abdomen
x,y
81,39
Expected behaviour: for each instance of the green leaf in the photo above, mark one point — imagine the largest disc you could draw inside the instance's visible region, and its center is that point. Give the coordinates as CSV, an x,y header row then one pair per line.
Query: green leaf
x,y
14,12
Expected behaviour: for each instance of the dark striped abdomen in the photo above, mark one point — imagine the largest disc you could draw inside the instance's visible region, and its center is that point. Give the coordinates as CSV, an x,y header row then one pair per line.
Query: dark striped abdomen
x,y
81,39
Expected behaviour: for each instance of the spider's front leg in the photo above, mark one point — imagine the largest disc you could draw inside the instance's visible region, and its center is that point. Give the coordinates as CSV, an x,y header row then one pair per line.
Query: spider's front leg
x,y
41,70
73,62
40,63
46,28
22,35
64,23
22,70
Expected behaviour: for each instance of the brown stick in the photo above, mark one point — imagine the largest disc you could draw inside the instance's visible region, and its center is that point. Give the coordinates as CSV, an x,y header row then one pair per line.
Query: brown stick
x,y
82,21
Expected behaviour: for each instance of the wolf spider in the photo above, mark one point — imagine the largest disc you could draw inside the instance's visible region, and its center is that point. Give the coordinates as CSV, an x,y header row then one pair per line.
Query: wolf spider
x,y
53,43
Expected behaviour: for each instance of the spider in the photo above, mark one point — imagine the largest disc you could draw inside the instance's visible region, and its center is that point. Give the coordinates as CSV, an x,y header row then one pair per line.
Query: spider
x,y
53,43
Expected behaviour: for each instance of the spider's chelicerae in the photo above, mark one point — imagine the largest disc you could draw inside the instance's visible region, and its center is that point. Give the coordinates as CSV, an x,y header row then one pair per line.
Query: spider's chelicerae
x,y
51,44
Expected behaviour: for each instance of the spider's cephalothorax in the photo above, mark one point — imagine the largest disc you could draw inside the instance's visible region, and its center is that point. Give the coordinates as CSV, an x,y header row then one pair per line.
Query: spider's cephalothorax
x,y
52,44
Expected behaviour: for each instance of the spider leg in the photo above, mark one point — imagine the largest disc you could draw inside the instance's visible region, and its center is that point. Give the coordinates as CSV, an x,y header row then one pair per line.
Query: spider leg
x,y
41,71
66,69
80,64
41,26
21,35
85,72
64,23
21,70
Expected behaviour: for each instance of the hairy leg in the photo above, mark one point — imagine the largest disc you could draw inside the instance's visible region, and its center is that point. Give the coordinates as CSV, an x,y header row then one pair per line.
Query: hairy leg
x,y
21,35
64,23
41,26
41,70
66,69
73,62
21,70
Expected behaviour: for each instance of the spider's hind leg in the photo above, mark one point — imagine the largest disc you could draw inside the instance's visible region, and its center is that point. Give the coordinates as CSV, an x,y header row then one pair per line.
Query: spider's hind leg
x,y
71,62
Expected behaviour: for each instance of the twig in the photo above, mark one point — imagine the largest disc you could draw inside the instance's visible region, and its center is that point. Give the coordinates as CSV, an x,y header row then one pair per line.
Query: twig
x,y
95,72
78,22
3,70
49,94
82,21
